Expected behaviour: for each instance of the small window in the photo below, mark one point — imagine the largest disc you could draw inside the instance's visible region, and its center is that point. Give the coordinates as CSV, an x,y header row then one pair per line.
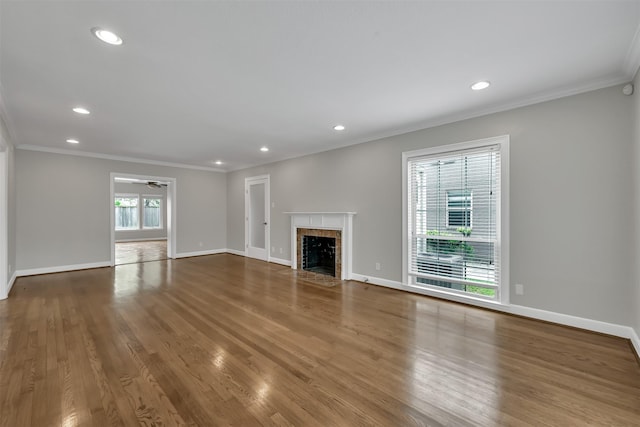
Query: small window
x,y
459,208
126,207
152,212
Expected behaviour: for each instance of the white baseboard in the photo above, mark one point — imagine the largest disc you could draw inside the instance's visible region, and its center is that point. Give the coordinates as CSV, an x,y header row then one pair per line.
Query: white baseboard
x,y
146,239
280,261
9,286
574,321
534,313
377,281
635,341
235,252
60,268
270,259
11,282
201,253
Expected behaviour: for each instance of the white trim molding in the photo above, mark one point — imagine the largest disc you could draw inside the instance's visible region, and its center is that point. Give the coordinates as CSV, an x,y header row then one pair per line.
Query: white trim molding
x,y
235,252
635,342
14,276
201,253
4,222
280,261
68,152
342,221
61,268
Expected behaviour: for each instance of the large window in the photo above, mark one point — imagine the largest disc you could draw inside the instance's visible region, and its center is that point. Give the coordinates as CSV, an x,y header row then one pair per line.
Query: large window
x,y
127,215
454,219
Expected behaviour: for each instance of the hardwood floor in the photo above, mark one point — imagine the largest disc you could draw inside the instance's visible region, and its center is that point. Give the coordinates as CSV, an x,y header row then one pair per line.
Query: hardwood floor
x,y
131,252
225,340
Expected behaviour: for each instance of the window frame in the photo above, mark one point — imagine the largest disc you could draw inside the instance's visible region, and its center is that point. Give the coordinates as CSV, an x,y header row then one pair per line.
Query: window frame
x,y
502,222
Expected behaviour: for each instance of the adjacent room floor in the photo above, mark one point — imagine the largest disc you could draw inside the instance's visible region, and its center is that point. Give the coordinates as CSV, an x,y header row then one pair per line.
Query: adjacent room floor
x,y
227,340
132,252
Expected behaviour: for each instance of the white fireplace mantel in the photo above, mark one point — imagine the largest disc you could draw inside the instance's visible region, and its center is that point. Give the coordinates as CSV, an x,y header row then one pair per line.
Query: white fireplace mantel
x,y
342,221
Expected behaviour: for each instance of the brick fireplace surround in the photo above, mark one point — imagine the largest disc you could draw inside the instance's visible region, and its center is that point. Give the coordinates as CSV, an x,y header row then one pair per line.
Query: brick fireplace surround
x,y
338,225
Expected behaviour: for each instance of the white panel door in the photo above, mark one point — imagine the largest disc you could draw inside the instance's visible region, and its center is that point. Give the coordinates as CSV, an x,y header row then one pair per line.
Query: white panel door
x,y
257,217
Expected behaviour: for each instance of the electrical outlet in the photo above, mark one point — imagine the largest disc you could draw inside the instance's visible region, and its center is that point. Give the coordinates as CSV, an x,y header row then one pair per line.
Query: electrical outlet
x,y
280,250
200,244
377,266
519,289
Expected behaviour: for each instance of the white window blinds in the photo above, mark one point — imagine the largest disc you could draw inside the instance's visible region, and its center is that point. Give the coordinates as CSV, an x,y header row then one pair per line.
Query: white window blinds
x,y
453,223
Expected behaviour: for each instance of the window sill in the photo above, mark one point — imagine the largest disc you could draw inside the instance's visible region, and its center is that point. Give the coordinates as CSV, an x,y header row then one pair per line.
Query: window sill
x,y
454,296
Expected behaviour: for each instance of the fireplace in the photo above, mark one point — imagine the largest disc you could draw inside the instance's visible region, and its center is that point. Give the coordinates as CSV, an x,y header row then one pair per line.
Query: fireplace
x,y
320,250
336,226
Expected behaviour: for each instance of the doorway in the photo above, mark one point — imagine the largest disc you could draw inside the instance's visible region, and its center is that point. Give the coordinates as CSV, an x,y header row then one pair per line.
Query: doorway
x,y
257,218
143,220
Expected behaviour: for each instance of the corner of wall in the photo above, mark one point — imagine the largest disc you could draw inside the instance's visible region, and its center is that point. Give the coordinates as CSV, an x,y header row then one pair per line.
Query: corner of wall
x,y
636,206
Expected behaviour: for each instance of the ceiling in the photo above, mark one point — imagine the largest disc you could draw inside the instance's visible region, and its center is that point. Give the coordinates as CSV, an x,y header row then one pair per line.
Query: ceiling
x,y
196,82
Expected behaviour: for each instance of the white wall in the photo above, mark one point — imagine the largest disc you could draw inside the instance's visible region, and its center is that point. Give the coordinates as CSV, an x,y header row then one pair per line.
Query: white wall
x,y
63,207
571,177
142,190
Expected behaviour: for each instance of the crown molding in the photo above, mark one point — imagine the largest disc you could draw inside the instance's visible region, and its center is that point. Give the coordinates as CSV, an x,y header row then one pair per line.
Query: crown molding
x,y
470,114
632,63
29,147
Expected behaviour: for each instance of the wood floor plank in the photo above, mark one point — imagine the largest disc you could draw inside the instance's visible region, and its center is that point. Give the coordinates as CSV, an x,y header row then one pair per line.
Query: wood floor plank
x,y
224,340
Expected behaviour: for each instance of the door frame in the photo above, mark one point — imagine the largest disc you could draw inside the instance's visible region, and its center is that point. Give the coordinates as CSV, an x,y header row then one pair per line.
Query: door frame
x,y
266,180
171,211
4,223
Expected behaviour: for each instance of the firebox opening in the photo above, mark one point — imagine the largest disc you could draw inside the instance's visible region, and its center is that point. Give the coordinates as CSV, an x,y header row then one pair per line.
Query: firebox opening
x,y
319,255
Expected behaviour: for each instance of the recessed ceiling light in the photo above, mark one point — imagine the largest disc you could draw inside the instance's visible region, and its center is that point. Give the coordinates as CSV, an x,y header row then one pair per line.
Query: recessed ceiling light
x,y
218,162
264,149
106,36
81,110
480,85
73,141
338,127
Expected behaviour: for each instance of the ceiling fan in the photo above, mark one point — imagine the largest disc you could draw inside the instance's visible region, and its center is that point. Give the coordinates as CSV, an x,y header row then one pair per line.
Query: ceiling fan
x,y
152,184
155,184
